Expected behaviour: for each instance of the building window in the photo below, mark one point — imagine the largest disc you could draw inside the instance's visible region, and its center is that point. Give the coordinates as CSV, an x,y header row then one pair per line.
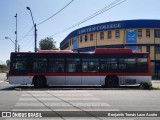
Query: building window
x,y
86,38
70,43
140,48
139,32
148,49
117,33
157,33
101,35
81,39
157,50
147,32
91,37
109,34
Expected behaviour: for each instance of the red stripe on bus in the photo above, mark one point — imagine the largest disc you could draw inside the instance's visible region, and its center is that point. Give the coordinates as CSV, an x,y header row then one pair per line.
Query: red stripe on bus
x,y
85,74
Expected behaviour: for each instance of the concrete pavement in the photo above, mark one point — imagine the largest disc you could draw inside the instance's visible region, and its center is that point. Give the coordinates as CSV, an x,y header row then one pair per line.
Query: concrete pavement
x,y
156,84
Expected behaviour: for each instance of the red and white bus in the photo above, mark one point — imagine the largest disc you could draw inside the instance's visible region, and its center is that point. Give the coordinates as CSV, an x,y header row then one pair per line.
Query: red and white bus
x,y
110,67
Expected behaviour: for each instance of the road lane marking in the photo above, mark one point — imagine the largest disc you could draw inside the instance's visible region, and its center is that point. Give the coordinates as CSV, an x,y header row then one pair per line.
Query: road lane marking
x,y
29,109
60,101
29,104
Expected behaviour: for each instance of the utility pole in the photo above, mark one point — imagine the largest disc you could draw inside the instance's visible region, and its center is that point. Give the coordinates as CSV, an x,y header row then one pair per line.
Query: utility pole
x,y
18,48
16,34
35,34
35,29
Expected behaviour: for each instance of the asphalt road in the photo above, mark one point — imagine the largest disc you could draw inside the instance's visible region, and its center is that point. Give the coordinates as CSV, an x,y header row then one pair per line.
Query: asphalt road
x,y
92,104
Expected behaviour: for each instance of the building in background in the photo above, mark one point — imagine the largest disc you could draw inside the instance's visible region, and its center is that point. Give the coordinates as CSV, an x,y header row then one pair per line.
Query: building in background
x,y
139,35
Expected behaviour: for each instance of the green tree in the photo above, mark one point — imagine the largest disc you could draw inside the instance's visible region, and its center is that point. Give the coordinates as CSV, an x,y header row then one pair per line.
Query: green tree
x,y
47,43
3,67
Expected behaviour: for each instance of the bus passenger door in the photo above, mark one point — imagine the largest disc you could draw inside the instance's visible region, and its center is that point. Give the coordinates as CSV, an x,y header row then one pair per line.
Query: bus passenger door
x,y
73,71
90,72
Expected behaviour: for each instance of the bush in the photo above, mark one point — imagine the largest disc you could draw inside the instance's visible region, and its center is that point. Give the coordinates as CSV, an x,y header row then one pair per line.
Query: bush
x,y
146,85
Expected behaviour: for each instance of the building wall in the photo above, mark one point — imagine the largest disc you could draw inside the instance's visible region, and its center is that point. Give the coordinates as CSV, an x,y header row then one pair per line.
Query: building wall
x,y
143,40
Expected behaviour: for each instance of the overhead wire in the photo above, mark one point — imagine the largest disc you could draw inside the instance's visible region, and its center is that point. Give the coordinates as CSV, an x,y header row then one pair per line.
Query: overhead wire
x,y
28,45
27,34
106,8
56,13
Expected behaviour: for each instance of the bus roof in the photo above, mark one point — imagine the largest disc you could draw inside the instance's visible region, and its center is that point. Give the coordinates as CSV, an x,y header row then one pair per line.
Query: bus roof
x,y
55,51
113,50
97,50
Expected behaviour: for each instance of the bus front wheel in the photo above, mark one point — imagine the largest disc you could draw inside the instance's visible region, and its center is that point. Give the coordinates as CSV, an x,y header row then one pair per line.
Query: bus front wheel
x,y
111,81
39,82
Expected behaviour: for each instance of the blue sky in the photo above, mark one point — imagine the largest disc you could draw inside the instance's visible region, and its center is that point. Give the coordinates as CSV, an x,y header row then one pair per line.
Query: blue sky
x,y
75,12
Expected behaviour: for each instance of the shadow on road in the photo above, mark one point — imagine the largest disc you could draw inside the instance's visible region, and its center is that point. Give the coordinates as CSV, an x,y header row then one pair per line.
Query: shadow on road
x,y
7,88
32,88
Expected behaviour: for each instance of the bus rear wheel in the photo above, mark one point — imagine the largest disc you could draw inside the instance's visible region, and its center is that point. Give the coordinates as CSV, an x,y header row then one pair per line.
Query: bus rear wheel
x,y
39,81
111,81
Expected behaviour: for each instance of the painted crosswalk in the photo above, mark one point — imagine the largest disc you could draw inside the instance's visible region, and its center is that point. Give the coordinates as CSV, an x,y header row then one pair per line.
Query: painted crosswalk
x,y
59,101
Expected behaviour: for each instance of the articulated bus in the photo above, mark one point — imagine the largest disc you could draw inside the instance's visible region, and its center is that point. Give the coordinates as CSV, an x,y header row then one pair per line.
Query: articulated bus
x,y
109,67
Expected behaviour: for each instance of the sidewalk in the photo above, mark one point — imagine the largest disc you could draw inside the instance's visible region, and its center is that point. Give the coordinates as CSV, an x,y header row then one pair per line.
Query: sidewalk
x,y
2,76
156,84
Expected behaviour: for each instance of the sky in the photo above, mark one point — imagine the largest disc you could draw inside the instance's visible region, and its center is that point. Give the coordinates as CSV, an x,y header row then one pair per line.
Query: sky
x,y
77,11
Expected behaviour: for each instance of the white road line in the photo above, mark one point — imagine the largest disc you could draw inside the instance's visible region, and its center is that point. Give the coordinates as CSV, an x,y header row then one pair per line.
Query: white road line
x,y
90,104
26,95
49,98
41,99
80,98
28,99
2,81
60,104
57,92
77,104
31,110
37,95
69,91
68,95
29,104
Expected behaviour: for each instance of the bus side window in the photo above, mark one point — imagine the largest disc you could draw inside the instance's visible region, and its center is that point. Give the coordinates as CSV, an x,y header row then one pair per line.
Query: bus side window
x,y
90,65
56,65
103,67
73,65
19,65
59,69
40,65
78,67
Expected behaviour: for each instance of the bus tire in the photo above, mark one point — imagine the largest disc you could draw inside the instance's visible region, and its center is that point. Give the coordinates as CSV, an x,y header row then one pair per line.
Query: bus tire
x,y
39,81
111,82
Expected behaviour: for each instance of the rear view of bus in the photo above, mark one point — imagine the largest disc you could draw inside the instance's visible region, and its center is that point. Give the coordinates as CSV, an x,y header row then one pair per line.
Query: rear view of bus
x,y
104,67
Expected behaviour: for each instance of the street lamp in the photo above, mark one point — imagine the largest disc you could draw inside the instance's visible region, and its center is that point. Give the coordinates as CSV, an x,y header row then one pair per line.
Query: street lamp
x,y
12,42
35,30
